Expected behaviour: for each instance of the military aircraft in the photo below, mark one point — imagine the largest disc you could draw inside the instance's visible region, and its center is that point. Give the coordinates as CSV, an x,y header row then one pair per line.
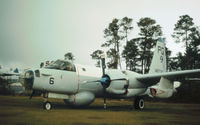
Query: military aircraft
x,y
9,81
79,85
8,72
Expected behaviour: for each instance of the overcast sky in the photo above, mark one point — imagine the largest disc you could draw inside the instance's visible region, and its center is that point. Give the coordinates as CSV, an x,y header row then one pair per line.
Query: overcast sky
x,y
32,31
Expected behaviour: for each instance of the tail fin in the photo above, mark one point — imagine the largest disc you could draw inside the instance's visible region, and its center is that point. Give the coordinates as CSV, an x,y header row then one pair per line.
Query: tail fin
x,y
158,63
16,70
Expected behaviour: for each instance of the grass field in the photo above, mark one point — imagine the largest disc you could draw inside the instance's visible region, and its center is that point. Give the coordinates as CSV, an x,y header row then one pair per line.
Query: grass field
x,y
19,110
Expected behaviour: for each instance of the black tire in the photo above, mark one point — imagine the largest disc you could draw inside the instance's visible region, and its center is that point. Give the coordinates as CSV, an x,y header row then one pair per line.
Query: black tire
x,y
139,103
47,105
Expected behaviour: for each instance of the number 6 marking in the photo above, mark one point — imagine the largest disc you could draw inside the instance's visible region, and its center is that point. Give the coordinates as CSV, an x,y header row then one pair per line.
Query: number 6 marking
x,y
51,81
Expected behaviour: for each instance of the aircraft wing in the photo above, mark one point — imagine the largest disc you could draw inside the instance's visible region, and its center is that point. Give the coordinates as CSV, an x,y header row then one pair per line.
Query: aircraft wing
x,y
151,79
8,74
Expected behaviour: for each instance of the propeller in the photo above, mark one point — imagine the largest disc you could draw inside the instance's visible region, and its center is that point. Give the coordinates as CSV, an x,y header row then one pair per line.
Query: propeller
x,y
105,80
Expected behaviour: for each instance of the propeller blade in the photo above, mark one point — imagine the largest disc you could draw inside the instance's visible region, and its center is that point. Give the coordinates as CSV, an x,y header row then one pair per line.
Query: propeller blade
x,y
103,65
100,81
105,80
104,105
118,79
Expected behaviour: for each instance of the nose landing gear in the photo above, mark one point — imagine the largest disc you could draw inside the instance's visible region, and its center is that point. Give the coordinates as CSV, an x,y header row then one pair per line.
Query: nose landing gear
x,y
46,104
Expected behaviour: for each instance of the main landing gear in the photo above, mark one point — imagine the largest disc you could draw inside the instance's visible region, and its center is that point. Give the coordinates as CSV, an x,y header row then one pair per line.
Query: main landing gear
x,y
47,105
139,103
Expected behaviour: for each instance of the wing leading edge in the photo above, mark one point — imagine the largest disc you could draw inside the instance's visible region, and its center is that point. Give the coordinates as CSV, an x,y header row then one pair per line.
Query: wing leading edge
x,y
151,79
9,74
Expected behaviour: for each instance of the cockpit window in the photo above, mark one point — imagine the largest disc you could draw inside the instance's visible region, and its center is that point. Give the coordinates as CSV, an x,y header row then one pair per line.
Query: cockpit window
x,y
62,65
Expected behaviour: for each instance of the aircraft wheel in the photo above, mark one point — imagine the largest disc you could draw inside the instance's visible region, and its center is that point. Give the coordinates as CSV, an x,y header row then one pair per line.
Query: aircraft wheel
x,y
139,103
47,105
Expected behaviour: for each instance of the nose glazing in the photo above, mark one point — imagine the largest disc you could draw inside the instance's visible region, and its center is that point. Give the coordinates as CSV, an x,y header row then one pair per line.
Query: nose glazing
x,y
28,79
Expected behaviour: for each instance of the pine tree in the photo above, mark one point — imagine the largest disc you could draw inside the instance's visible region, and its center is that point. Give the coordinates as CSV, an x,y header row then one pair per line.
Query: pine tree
x,y
96,55
149,34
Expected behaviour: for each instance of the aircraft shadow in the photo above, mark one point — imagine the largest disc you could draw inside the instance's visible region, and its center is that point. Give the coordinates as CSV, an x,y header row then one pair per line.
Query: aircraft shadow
x,y
129,108
164,108
94,107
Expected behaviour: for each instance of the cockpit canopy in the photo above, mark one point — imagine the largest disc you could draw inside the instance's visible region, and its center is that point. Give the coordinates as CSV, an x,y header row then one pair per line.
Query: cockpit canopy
x,y
62,65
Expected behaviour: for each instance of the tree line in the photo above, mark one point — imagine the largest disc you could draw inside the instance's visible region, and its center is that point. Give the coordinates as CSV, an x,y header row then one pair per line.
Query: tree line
x,y
137,51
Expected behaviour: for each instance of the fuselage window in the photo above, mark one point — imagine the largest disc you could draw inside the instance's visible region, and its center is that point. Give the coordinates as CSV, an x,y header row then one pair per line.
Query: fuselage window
x,y
83,69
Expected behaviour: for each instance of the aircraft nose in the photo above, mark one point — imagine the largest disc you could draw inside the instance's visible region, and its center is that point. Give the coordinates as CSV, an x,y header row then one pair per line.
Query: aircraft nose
x,y
29,79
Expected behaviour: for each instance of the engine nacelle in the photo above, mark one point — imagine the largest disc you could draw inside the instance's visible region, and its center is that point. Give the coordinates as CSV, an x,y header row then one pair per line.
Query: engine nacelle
x,y
119,84
160,93
164,89
118,87
80,99
16,88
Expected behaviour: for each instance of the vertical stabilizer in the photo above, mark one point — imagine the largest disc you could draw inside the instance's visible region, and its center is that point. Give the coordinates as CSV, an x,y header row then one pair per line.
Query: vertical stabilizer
x,y
158,63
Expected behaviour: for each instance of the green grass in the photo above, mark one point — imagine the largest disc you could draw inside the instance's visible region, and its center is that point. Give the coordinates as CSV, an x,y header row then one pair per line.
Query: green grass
x,y
19,110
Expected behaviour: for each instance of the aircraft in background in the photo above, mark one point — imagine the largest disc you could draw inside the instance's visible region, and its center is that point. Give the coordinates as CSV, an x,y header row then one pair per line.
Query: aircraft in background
x,y
8,72
9,81
79,85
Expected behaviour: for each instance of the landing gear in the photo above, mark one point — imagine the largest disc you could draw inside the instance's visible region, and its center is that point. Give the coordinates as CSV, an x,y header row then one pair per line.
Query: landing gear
x,y
139,103
47,105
